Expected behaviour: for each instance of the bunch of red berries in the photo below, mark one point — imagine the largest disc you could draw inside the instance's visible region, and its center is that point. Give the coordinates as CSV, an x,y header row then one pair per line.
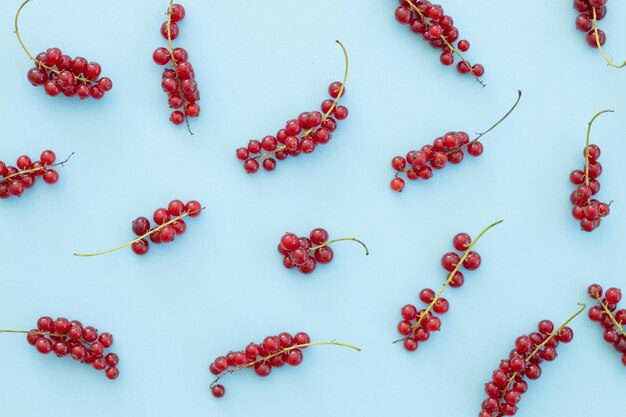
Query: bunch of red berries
x,y
611,321
169,224
416,326
305,253
15,181
589,212
448,148
179,80
83,344
273,352
590,12
60,74
508,382
438,30
301,135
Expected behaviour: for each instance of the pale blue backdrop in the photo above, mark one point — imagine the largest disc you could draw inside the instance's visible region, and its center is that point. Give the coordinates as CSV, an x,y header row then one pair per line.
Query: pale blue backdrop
x,y
222,285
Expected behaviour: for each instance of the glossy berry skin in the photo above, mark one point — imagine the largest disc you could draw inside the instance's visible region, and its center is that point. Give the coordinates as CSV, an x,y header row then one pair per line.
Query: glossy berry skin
x,y
14,181
169,224
606,313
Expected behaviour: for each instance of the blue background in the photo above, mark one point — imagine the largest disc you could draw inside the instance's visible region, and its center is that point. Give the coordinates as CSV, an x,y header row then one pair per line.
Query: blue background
x,y
222,285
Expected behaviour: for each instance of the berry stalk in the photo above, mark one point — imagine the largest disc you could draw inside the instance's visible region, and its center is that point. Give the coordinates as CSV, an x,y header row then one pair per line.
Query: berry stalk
x,y
156,229
610,314
170,48
34,170
280,352
594,22
327,114
367,252
450,277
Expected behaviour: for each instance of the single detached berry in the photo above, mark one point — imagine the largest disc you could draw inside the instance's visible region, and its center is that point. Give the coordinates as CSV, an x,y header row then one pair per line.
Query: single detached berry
x,y
447,149
304,253
178,80
510,380
14,180
273,352
587,210
606,314
169,224
417,325
429,21
299,136
60,74
65,337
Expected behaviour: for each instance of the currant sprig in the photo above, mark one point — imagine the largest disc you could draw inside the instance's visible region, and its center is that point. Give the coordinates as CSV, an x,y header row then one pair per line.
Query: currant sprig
x,y
594,22
605,314
192,213
273,352
434,299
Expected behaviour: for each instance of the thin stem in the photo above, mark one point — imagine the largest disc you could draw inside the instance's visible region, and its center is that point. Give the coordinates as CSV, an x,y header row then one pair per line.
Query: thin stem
x,y
587,143
330,110
170,48
480,135
428,23
156,229
607,311
30,56
36,332
582,308
268,357
330,242
450,277
608,60
33,170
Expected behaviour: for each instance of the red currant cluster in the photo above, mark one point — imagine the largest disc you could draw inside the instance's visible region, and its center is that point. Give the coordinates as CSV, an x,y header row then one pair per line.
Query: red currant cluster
x,y
611,321
305,253
590,12
83,344
416,326
169,224
438,30
60,74
15,181
301,135
508,382
587,210
273,352
178,81
448,148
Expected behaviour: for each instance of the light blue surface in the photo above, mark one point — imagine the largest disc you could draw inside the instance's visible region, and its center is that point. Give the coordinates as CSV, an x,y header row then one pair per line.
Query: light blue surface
x,y
222,284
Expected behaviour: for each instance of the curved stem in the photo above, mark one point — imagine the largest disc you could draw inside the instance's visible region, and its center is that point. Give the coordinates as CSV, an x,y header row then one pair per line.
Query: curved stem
x,y
170,48
607,311
582,308
36,332
33,170
453,49
608,60
330,242
450,277
156,229
587,143
328,113
268,357
30,56
480,135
